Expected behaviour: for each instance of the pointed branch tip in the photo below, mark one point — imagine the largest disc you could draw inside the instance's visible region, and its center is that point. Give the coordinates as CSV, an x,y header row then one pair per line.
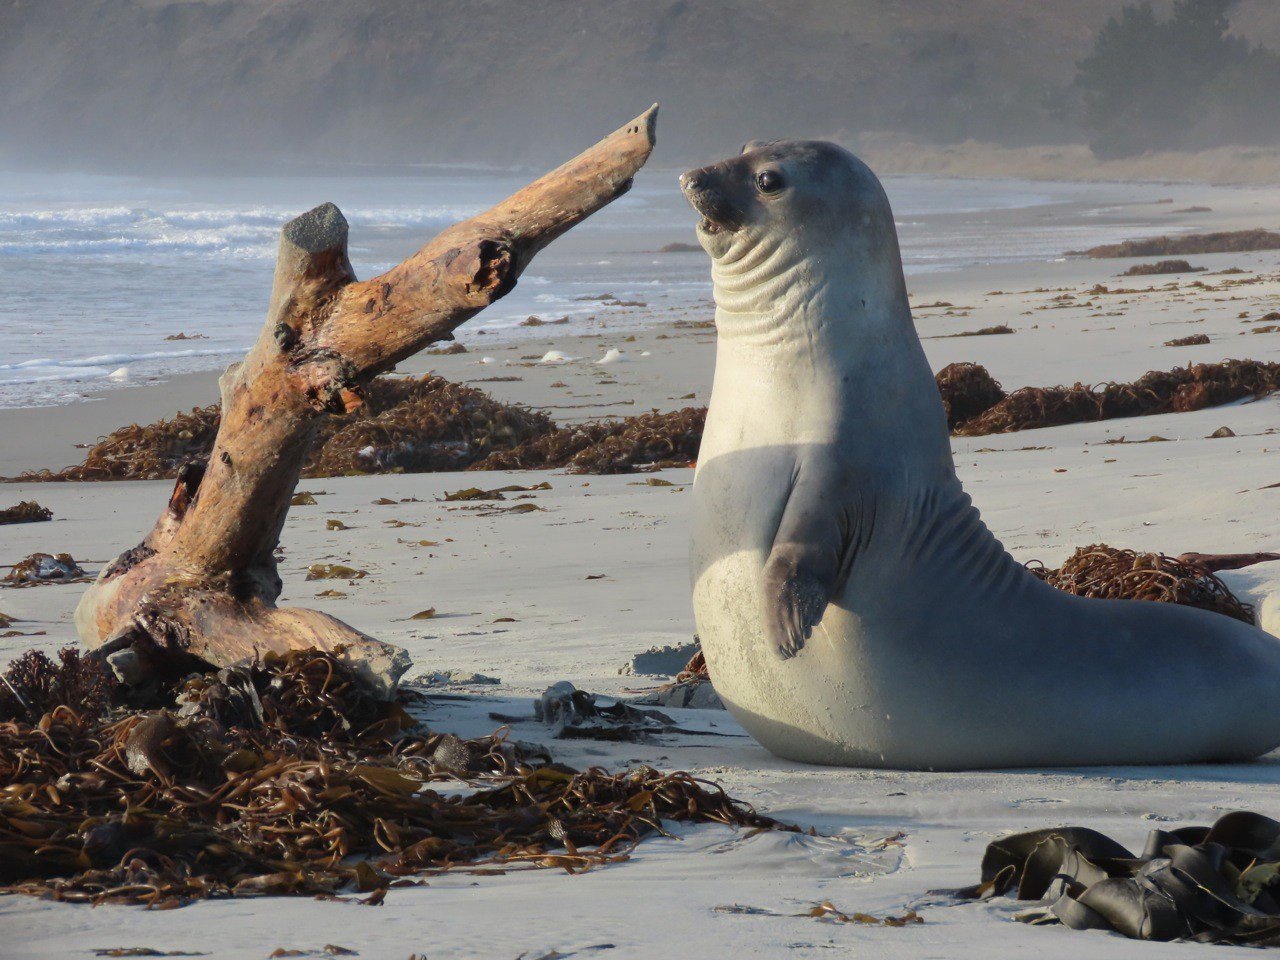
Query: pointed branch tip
x,y
648,122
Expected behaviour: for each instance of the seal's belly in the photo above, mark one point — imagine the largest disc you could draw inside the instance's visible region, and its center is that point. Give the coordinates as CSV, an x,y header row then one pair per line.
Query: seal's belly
x,y
945,654
798,708
804,708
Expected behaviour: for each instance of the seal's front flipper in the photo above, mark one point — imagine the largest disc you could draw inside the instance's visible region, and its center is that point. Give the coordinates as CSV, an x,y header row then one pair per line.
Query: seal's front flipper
x,y
809,560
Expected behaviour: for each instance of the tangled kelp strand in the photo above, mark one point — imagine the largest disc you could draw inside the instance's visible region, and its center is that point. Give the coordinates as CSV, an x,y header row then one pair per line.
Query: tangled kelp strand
x,y
45,568
432,425
611,446
33,685
424,425
1207,884
830,913
1195,340
1111,573
28,511
284,778
1180,390
404,425
1227,241
1161,267
967,389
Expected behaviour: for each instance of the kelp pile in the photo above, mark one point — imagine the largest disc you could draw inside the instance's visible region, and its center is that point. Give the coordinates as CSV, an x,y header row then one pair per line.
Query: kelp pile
x,y
431,424
41,568
284,778
421,426
1180,390
1111,573
405,425
151,452
413,426
1160,268
1229,241
967,390
695,669
28,511
610,446
1213,884
33,685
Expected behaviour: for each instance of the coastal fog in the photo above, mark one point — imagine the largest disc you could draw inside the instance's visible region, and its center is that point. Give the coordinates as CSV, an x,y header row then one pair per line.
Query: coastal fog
x,y
243,85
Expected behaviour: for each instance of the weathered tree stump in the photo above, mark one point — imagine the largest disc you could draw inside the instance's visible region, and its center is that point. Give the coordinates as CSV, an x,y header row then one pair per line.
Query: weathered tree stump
x,y
202,586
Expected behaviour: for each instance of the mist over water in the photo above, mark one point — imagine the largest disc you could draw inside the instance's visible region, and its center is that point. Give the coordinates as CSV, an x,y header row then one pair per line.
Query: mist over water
x,y
96,271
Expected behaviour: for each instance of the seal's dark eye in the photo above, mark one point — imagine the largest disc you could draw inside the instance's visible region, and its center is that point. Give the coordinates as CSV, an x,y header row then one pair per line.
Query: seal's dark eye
x,y
769,181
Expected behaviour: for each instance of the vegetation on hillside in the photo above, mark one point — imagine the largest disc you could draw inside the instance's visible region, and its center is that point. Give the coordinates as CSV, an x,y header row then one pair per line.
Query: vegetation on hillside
x,y
1184,82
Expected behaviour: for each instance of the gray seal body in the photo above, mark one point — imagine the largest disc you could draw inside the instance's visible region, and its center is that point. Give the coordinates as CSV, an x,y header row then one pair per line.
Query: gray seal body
x,y
853,607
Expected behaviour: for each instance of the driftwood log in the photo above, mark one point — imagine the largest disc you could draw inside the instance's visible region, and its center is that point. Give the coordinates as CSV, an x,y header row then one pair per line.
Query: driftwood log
x,y
202,585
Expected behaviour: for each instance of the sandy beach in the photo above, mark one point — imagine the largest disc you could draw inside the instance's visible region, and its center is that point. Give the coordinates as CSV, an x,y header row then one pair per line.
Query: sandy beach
x,y
574,590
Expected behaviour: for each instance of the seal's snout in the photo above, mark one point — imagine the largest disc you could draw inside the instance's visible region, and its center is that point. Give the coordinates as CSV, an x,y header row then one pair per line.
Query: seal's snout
x,y
703,189
692,181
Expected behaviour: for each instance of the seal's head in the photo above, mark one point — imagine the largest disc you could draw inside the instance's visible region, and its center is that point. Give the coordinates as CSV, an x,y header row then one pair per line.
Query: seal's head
x,y
793,221
808,186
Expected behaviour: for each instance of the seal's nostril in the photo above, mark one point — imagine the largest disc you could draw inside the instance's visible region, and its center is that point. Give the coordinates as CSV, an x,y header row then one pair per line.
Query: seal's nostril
x,y
690,179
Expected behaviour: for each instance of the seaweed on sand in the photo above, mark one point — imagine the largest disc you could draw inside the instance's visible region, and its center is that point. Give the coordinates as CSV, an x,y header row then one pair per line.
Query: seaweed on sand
x,y
418,426
45,568
405,425
1180,390
1160,268
610,446
151,452
1230,241
28,511
1211,884
1109,572
967,390
432,424
1195,340
33,685
283,778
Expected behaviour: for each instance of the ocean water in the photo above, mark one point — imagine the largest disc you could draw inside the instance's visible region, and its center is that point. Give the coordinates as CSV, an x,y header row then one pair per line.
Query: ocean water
x,y
96,272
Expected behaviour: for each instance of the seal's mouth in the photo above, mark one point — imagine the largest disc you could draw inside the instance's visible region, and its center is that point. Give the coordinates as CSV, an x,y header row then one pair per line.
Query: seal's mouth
x,y
717,214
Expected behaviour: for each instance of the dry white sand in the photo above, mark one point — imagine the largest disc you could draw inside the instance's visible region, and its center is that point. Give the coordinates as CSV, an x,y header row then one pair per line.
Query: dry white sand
x,y
1043,492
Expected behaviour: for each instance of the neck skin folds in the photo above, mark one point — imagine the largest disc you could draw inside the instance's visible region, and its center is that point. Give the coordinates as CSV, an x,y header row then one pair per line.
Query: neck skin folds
x,y
808,340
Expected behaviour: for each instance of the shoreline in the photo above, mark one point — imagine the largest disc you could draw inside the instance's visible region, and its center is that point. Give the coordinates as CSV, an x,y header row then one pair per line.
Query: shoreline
x,y
668,364
946,229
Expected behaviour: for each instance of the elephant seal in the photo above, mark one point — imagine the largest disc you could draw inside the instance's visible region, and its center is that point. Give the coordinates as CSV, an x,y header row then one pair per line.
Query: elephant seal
x,y
853,608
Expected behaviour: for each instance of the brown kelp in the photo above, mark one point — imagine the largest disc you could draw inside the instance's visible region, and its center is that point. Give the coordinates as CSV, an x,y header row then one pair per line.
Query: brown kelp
x,y
406,424
431,424
33,685
1160,268
285,778
1180,390
610,446
1228,241
967,389
1111,573
417,426
1208,884
41,568
28,511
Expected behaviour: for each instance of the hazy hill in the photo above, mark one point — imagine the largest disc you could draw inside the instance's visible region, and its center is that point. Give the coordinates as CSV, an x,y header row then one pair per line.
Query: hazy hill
x,y
244,83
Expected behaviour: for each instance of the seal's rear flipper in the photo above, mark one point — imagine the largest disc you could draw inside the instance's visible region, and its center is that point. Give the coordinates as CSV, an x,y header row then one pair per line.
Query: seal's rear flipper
x,y
809,561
